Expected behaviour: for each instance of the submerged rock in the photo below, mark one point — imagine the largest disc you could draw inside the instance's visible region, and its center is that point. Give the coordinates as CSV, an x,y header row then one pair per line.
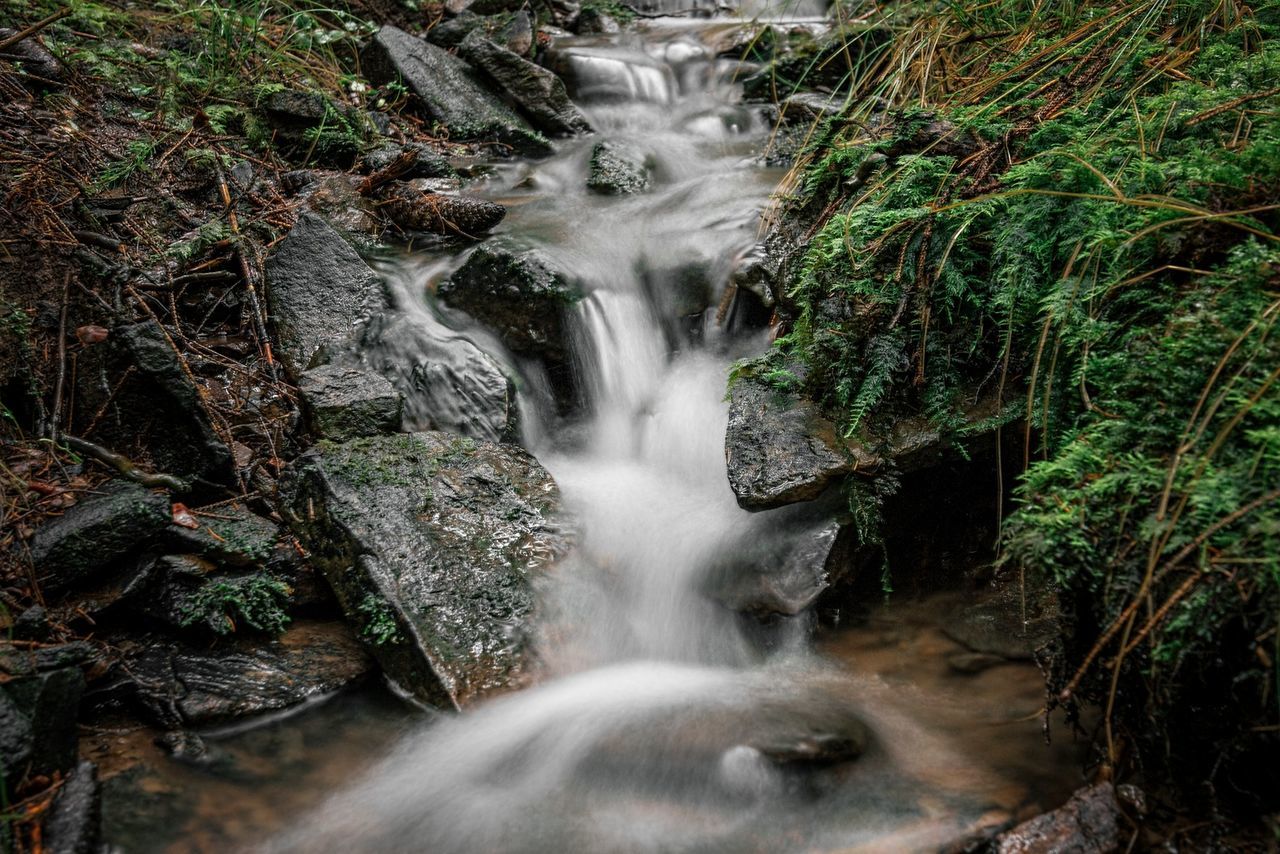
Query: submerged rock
x,y
101,528
617,169
779,448
1089,823
449,91
319,291
538,92
345,402
431,542
517,292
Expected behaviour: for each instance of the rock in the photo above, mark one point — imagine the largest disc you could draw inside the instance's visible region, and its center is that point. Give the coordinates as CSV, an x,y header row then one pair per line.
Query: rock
x,y
439,213
538,92
427,162
757,271
74,824
99,529
816,748
311,126
345,401
319,291
774,572
1089,823
32,624
199,451
808,107
517,293
970,663
995,626
449,91
39,703
683,288
431,542
447,382
779,448
517,34
332,196
232,535
593,20
450,33
245,677
617,169
42,69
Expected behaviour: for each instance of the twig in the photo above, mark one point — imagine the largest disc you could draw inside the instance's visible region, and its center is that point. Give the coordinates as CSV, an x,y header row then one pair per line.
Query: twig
x,y
56,418
30,31
126,466
259,320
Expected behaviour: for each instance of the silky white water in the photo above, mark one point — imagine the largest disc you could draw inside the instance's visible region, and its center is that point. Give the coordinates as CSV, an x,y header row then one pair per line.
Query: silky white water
x,y
647,730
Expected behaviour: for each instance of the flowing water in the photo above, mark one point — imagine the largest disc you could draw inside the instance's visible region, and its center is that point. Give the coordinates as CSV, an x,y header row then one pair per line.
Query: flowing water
x,y
662,720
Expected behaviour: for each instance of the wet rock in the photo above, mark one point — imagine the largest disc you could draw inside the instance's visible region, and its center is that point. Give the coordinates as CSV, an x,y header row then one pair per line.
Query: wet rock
x,y
311,126
617,169
39,702
449,91
41,67
319,291
1089,823
32,624
439,213
518,293
971,663
538,92
230,534
816,748
431,542
779,448
516,35
808,107
595,21
185,684
98,530
683,289
448,383
332,196
757,272
200,451
74,824
780,572
451,32
163,588
996,627
427,162
344,402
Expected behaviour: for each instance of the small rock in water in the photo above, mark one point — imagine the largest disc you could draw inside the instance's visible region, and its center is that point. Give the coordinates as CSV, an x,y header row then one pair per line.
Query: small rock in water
x,y
1089,823
817,748
971,663
617,169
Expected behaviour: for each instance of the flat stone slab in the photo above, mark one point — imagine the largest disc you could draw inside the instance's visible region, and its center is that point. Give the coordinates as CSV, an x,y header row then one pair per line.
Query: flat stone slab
x,y
431,542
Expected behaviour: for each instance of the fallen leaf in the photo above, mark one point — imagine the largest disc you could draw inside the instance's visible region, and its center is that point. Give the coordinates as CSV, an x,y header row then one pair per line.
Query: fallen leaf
x,y
91,334
182,516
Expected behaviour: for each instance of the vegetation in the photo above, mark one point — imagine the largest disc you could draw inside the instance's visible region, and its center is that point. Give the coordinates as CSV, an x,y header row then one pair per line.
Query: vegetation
x,y
257,601
1064,218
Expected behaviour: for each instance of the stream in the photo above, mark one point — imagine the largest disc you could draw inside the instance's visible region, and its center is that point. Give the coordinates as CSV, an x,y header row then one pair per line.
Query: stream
x,y
661,720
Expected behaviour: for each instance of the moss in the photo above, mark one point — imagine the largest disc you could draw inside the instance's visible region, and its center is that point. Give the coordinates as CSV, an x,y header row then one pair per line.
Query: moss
x,y
257,601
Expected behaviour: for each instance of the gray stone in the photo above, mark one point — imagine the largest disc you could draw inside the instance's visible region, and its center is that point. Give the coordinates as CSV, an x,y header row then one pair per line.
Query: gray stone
x,y
449,91
517,34
345,401
780,449
808,107
333,197
448,383
199,450
38,712
1089,823
191,685
518,293
617,169
779,572
319,291
74,824
229,534
431,542
99,529
538,92
451,32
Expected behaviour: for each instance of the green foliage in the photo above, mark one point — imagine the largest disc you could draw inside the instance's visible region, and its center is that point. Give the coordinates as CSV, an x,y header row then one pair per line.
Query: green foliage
x,y
1092,245
257,601
380,626
137,154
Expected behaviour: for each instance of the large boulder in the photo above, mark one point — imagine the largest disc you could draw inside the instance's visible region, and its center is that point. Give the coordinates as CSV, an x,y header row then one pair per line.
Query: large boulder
x,y
100,529
538,92
780,449
449,91
320,291
518,293
431,542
